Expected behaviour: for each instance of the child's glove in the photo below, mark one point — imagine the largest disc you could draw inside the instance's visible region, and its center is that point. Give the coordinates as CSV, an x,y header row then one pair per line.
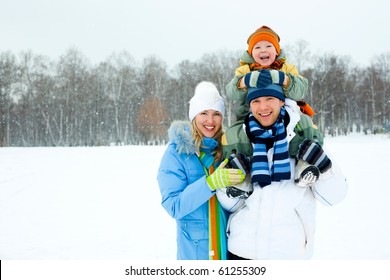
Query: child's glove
x,y
277,77
222,178
263,78
312,153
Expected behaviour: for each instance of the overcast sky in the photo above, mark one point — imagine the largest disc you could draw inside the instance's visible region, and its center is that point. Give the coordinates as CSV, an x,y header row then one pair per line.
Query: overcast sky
x,y
175,30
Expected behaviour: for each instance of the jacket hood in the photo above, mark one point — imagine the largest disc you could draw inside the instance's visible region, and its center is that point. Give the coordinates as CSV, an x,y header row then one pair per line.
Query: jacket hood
x,y
179,133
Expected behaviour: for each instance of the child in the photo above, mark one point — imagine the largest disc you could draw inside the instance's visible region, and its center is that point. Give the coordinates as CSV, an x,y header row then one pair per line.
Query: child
x,y
268,61
262,64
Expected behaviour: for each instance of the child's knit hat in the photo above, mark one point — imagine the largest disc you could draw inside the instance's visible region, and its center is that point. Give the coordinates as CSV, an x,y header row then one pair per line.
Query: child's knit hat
x,y
263,33
206,97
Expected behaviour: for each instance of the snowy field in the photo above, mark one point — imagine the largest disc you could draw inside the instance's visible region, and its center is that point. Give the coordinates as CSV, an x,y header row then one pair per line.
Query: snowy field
x,y
104,204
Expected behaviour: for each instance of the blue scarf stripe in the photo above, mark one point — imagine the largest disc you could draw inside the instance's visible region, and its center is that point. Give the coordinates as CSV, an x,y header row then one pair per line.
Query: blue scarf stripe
x,y
259,150
281,156
261,155
280,142
260,160
285,161
260,166
258,173
280,169
258,157
264,179
206,151
280,178
284,168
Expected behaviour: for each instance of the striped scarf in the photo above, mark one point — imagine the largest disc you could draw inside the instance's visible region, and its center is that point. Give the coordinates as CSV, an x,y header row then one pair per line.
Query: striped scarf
x,y
217,217
280,169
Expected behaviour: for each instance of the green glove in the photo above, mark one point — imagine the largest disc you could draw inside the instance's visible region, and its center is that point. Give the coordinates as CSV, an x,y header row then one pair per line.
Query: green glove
x,y
224,177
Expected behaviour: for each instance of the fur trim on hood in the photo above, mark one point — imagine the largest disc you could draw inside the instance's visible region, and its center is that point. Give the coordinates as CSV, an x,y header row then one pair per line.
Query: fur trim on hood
x,y
179,133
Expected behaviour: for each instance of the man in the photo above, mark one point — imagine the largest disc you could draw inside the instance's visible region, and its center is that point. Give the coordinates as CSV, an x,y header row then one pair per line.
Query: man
x,y
277,219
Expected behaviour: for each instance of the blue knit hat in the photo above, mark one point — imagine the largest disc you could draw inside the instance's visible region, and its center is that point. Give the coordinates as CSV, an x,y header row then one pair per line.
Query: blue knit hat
x,y
270,90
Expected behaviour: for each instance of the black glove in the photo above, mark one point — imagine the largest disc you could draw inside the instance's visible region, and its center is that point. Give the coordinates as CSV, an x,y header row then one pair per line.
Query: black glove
x,y
242,190
240,161
262,78
311,152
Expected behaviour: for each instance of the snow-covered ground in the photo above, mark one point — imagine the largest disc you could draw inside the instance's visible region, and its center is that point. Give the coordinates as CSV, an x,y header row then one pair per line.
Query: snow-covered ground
x,y
103,203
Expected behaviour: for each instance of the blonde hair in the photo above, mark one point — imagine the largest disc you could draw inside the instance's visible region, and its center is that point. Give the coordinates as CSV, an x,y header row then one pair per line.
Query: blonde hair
x,y
198,137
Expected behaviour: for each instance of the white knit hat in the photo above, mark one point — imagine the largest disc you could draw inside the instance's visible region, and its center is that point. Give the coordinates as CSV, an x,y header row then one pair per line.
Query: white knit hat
x,y
206,97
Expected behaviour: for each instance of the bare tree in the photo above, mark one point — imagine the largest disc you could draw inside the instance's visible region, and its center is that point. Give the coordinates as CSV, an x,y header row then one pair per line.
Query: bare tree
x,y
380,93
219,68
327,89
8,77
118,82
299,54
152,121
153,83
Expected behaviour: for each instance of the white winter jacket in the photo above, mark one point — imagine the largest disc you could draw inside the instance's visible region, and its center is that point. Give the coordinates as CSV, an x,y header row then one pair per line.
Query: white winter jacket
x,y
278,221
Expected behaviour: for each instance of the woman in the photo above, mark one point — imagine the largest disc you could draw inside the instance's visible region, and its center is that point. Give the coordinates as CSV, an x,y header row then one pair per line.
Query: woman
x,y
187,178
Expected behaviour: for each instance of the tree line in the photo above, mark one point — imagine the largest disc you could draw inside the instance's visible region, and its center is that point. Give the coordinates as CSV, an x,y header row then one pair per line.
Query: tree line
x,y
72,102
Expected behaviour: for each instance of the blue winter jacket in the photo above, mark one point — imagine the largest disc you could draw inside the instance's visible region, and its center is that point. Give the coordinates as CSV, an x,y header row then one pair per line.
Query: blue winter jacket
x,y
185,193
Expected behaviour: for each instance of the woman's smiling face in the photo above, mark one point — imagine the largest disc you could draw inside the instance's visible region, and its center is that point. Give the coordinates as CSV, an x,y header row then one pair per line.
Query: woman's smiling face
x,y
209,122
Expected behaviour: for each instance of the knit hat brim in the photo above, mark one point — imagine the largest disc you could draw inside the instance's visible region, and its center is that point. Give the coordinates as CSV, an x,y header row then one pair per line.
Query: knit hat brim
x,y
270,90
